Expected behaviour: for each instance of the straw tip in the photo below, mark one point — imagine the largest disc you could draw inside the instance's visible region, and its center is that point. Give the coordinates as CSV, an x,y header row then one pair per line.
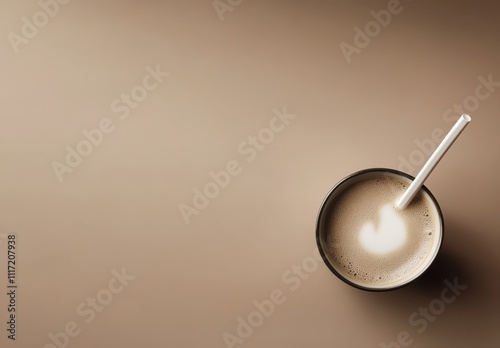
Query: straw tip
x,y
466,118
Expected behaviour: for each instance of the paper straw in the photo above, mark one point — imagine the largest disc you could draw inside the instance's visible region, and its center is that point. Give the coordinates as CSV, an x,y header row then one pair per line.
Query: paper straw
x,y
431,163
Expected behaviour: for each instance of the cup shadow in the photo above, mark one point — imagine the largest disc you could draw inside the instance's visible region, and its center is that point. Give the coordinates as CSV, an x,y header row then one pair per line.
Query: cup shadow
x,y
453,263
447,266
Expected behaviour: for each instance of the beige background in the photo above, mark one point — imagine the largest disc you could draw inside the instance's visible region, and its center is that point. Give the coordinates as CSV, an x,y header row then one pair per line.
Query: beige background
x,y
119,209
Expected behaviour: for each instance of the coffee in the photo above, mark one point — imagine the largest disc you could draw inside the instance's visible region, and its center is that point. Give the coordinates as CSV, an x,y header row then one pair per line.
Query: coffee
x,y
368,241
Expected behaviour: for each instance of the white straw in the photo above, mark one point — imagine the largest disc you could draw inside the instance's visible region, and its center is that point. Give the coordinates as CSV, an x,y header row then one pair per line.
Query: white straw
x,y
433,161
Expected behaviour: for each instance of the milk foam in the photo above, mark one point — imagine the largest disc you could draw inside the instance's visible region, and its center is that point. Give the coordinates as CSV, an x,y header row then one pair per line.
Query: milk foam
x,y
370,242
390,235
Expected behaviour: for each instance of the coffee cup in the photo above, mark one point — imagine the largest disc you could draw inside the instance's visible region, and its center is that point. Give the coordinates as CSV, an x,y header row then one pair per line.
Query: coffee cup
x,y
370,244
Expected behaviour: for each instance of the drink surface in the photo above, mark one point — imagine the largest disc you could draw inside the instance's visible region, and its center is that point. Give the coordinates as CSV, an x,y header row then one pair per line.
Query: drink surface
x,y
369,241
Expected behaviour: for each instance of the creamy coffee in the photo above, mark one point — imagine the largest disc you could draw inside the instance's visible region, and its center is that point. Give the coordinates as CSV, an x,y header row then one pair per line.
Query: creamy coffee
x,y
368,241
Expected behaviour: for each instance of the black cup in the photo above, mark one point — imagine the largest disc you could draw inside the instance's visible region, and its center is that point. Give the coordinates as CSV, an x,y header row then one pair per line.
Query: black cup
x,y
322,233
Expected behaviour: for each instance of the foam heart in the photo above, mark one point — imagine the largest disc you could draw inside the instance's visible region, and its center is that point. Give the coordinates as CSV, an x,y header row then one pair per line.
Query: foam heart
x,y
390,234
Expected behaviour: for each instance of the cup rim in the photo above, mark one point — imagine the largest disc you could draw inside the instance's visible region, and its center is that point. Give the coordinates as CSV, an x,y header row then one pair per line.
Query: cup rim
x,y
322,211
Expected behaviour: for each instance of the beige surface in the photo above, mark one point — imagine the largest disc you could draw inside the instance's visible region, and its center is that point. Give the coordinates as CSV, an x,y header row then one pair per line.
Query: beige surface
x,y
119,208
